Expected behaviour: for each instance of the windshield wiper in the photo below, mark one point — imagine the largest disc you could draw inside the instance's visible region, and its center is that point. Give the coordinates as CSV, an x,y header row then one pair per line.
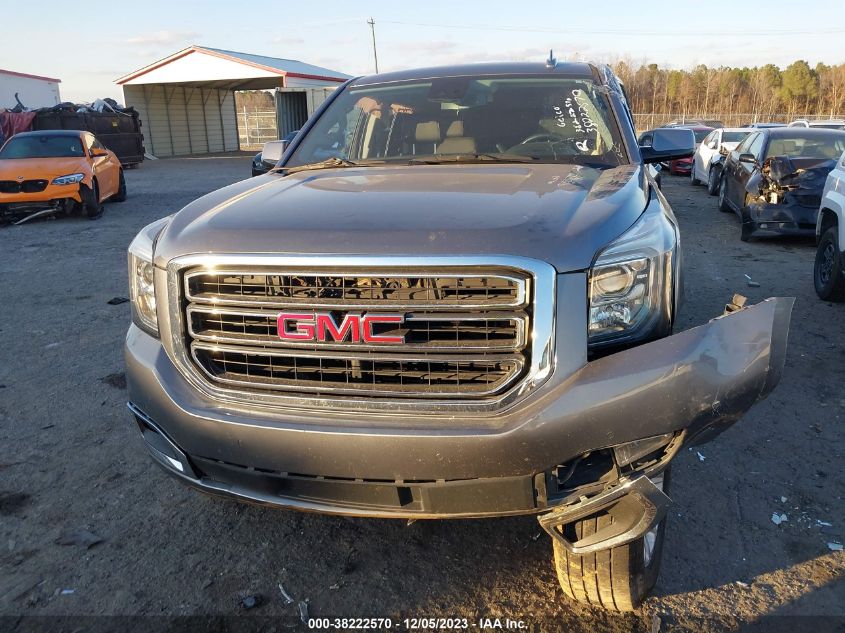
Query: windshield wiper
x,y
329,163
440,159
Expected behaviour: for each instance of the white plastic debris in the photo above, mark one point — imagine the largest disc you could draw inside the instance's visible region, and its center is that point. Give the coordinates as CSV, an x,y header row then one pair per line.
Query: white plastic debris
x,y
701,457
285,595
67,592
834,547
741,584
824,523
783,499
777,519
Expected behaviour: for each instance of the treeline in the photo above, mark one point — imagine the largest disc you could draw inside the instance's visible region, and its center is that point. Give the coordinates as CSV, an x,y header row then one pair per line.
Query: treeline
x,y
763,91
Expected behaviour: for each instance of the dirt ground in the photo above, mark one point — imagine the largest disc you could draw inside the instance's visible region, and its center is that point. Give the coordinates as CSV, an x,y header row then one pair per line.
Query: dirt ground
x,y
73,469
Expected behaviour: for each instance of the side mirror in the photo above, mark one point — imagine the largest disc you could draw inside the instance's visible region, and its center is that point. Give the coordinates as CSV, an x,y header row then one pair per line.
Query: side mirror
x,y
712,144
668,144
747,158
272,151
96,153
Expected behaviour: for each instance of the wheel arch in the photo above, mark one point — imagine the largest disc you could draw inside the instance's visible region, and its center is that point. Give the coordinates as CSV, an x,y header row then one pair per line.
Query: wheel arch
x,y
832,213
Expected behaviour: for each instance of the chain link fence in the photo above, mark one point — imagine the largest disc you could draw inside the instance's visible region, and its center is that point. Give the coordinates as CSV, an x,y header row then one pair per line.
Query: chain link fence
x,y
649,121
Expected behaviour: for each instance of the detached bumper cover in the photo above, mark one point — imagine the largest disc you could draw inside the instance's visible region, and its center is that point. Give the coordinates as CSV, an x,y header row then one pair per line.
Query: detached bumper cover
x,y
701,381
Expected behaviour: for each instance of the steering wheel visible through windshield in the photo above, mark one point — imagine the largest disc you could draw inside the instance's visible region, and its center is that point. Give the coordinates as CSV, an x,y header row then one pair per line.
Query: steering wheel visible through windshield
x,y
508,118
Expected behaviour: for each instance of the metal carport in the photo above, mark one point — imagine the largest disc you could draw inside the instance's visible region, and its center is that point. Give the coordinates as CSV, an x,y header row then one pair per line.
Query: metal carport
x,y
187,105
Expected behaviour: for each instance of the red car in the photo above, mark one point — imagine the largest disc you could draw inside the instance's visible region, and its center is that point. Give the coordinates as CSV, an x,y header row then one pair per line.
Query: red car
x,y
683,166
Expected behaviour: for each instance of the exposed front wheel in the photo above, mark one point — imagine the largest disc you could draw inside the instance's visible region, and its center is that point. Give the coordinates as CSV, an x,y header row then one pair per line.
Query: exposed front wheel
x,y
713,181
91,204
828,276
120,196
619,578
723,202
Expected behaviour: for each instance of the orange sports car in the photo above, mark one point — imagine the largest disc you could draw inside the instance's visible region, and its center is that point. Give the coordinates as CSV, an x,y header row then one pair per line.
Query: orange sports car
x,y
58,170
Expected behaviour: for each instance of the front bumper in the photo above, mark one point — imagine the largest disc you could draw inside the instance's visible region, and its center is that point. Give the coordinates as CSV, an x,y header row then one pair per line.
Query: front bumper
x,y
764,218
51,192
696,383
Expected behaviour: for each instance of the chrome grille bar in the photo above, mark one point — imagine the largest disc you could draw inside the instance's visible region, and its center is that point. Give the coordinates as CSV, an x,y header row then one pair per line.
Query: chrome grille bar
x,y
357,290
361,373
433,331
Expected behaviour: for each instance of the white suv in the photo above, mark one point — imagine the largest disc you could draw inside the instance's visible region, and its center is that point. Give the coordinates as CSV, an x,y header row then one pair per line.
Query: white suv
x,y
831,124
708,159
829,273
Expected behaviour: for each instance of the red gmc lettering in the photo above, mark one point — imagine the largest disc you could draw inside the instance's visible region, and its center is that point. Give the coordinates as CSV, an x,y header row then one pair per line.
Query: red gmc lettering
x,y
326,324
303,328
321,326
367,328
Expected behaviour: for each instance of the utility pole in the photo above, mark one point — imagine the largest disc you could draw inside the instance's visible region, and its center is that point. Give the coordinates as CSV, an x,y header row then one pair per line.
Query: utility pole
x,y
372,24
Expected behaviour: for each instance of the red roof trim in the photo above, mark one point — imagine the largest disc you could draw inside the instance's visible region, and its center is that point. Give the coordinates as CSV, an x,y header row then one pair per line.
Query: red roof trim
x,y
242,61
237,60
28,76
320,77
154,65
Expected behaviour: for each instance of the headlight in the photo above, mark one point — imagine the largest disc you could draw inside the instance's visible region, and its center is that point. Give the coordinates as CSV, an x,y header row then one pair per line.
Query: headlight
x,y
142,277
631,281
70,179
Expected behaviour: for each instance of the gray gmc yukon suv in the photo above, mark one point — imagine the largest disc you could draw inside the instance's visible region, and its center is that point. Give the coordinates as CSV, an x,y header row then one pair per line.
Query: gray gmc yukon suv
x,y
453,297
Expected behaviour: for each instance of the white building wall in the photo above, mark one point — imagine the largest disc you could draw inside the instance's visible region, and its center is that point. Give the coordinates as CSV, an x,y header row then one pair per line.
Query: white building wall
x,y
33,93
180,120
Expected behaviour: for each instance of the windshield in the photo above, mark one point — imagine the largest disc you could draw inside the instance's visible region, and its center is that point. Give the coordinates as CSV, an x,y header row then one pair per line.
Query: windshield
x,y
547,119
45,146
733,137
817,146
701,134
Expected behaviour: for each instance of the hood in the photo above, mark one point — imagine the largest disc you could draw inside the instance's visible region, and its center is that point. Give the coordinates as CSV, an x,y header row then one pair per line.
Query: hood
x,y
799,173
41,168
561,214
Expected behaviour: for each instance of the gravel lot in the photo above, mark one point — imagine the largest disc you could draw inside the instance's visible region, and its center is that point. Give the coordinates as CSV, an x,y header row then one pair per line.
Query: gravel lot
x,y
71,463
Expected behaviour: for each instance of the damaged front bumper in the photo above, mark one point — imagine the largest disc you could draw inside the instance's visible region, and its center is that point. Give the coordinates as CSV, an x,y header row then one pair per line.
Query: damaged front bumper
x,y
584,435
793,216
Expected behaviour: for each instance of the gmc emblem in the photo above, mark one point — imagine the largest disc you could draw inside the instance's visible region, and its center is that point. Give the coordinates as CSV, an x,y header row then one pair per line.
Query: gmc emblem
x,y
321,327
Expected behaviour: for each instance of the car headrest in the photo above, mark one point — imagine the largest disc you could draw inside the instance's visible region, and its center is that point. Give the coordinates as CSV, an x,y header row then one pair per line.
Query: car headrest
x,y
428,132
456,128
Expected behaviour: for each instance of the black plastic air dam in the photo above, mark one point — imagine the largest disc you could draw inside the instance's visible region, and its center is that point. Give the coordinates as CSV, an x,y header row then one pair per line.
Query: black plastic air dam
x,y
702,379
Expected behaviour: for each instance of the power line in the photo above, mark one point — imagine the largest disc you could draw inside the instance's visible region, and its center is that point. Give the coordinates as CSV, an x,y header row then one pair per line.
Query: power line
x,y
579,31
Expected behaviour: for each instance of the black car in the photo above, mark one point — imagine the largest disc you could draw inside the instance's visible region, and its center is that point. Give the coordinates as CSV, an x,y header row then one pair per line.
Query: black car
x,y
774,179
260,166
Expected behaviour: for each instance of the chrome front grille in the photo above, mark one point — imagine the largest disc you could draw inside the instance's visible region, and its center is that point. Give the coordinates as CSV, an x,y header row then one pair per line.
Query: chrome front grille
x,y
469,333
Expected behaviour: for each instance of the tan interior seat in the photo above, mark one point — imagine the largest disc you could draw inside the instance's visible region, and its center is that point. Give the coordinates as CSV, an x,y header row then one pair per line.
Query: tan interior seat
x,y
455,141
781,147
426,137
456,128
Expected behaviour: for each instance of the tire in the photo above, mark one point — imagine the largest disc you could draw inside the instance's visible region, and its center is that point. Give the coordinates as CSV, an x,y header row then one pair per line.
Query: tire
x,y
747,227
692,179
617,579
120,196
713,181
828,276
91,205
724,207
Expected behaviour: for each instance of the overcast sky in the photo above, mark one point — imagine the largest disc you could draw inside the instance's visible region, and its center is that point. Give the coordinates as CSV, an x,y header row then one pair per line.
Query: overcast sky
x,y
89,49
